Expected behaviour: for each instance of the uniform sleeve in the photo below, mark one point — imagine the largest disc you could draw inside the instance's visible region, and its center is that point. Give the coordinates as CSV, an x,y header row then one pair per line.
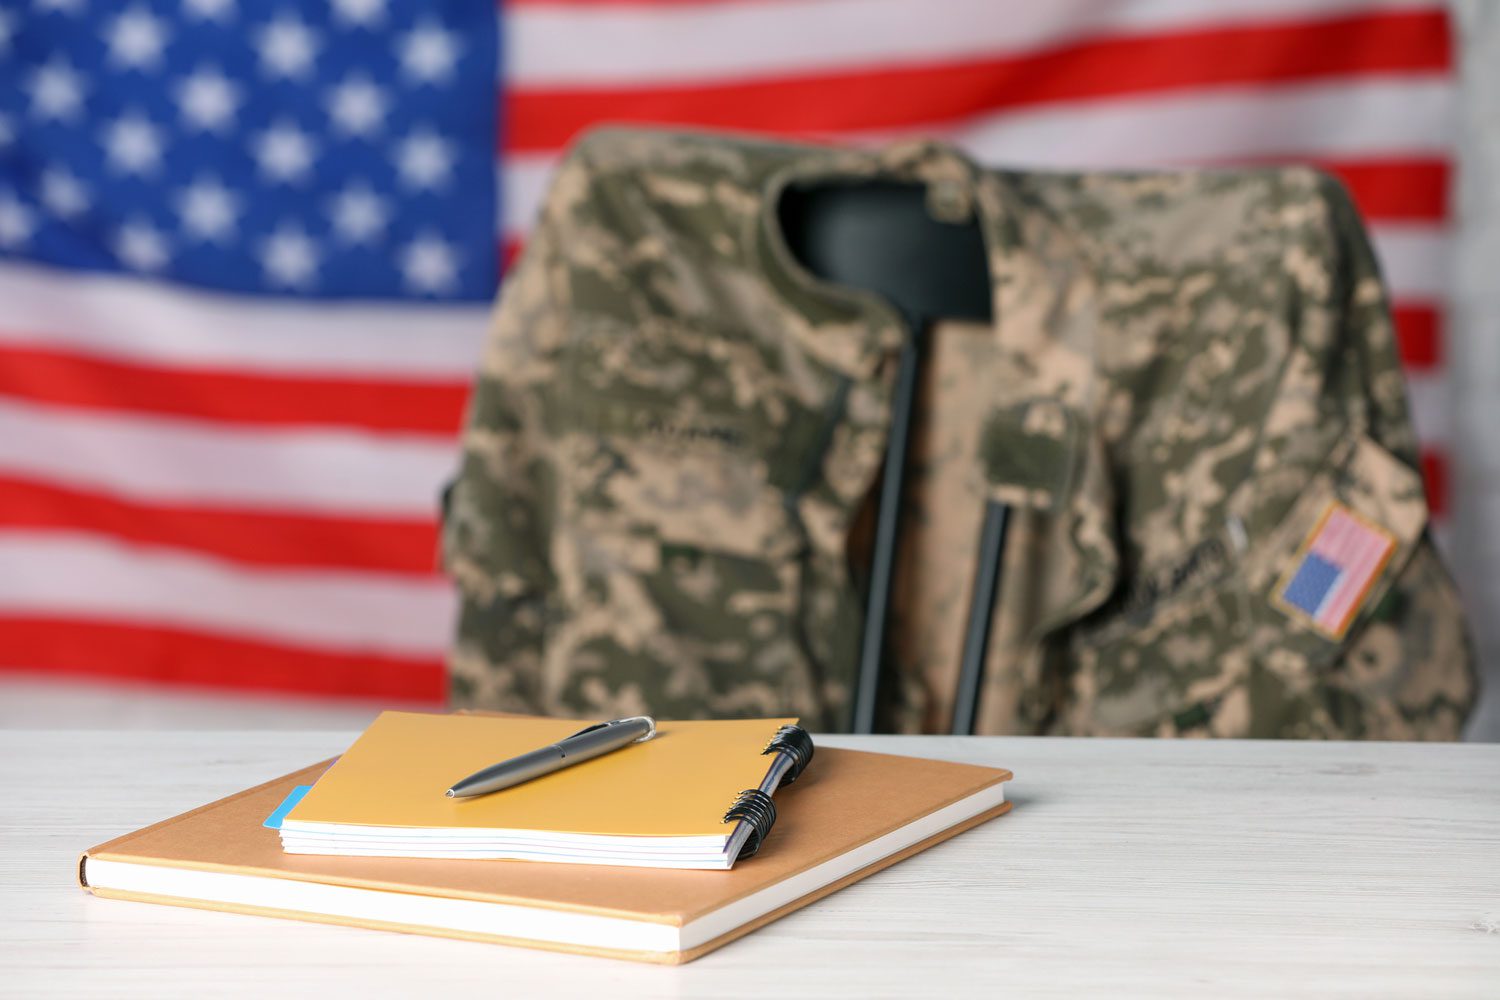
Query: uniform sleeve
x,y
1409,671
1368,332
497,524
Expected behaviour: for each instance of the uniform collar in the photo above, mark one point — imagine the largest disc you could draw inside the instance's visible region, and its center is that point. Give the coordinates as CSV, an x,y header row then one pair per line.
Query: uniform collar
x,y
854,331
851,330
1044,327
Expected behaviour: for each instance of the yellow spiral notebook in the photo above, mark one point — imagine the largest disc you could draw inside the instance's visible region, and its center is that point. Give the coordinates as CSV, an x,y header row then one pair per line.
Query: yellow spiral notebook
x,y
658,804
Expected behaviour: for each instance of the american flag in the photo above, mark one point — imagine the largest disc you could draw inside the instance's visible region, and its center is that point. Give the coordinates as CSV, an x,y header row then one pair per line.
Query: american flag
x,y
1340,561
246,251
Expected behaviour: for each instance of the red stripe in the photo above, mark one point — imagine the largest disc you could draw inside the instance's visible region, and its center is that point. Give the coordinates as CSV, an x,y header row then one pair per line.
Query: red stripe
x,y
1435,476
261,539
52,376
509,250
101,649
1396,190
1419,336
546,119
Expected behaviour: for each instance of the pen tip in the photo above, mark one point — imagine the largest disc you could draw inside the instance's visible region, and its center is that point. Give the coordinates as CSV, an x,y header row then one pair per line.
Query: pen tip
x,y
449,793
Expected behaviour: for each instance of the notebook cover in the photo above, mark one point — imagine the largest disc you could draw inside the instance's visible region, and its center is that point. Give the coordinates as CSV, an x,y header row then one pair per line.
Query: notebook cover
x,y
677,784
844,799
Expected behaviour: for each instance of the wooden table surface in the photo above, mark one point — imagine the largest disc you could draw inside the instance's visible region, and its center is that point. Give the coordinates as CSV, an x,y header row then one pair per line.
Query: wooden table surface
x,y
1129,867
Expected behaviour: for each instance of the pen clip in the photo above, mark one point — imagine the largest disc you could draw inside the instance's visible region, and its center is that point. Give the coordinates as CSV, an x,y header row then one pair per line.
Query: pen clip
x,y
650,732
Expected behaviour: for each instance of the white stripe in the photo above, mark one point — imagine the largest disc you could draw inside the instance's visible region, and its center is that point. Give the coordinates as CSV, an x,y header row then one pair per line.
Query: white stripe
x,y
1367,116
1432,410
167,460
135,320
523,180
1478,413
1414,260
1410,116
563,45
80,575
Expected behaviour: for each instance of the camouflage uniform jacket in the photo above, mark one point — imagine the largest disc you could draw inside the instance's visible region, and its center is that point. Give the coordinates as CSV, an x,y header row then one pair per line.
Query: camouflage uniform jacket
x,y
675,425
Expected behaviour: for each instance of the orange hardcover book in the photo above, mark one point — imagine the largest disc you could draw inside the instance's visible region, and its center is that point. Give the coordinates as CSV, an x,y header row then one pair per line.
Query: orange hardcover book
x,y
849,815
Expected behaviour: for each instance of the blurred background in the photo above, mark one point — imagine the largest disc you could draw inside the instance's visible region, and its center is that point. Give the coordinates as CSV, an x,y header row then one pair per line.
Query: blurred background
x,y
247,250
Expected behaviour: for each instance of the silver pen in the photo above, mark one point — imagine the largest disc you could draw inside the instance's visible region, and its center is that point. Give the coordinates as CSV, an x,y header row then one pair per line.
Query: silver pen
x,y
583,745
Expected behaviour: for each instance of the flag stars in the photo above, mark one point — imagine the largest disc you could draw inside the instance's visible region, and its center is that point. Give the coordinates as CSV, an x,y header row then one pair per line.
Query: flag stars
x,y
208,100
68,7
56,91
133,145
136,39
210,10
290,257
356,106
209,211
361,13
141,247
428,54
284,153
63,193
287,47
429,265
424,160
359,215
328,183
17,222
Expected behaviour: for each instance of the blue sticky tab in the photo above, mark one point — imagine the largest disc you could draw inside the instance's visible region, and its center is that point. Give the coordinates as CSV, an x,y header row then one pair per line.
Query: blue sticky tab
x,y
1311,584
273,821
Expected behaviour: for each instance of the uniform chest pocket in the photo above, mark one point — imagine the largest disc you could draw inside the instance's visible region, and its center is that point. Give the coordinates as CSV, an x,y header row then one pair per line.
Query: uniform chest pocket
x,y
1241,641
687,477
691,434
679,562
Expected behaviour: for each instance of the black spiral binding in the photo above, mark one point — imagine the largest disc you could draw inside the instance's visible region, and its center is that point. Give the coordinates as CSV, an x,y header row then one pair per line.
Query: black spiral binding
x,y
756,808
797,745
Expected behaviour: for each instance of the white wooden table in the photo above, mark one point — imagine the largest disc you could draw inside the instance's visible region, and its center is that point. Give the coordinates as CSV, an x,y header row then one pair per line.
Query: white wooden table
x,y
1126,868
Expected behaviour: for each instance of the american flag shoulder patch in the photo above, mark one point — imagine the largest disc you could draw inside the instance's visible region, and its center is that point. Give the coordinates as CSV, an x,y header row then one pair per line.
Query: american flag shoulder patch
x,y
1336,567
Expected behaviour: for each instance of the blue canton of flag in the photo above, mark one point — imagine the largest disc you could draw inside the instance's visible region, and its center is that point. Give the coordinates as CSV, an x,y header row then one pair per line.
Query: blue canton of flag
x,y
1311,583
340,150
